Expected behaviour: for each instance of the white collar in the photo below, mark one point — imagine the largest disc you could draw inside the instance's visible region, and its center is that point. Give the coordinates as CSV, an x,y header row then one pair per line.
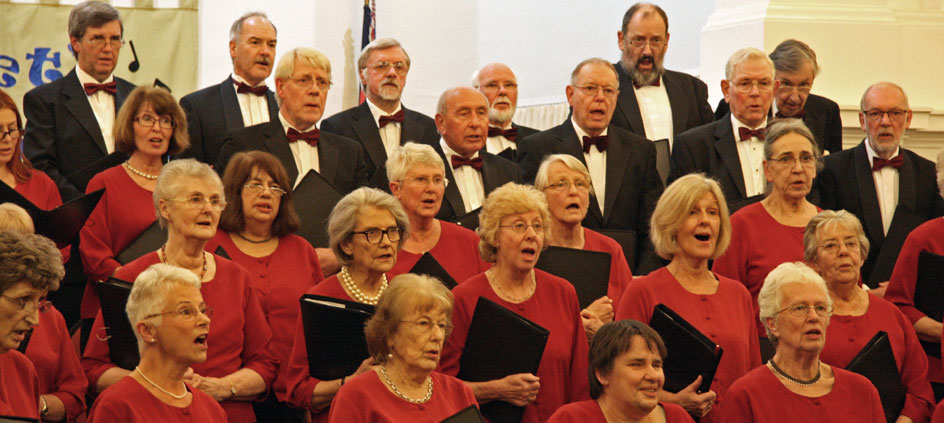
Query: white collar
x,y
581,133
85,78
377,112
286,125
238,78
871,153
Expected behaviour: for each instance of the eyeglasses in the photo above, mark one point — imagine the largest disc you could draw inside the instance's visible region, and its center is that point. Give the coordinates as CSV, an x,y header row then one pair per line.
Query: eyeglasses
x,y
638,42
148,121
13,133
28,305
800,310
306,82
98,41
564,185
426,326
832,246
875,115
746,85
592,90
375,235
437,181
788,87
258,188
400,67
522,227
805,160
495,86
186,314
199,202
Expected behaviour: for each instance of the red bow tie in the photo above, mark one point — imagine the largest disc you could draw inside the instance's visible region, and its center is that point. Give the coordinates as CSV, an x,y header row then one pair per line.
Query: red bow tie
x,y
311,137
459,161
92,88
746,133
655,83
799,115
396,117
511,133
599,141
878,163
243,88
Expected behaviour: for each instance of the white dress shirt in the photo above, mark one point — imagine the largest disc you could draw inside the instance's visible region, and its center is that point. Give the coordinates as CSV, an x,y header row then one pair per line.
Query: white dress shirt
x,y
306,156
596,164
468,180
751,155
498,144
656,111
103,106
390,133
255,108
886,187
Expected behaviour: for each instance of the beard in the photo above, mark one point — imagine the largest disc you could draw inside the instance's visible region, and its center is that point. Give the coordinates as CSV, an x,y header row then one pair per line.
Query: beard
x,y
642,78
389,92
501,115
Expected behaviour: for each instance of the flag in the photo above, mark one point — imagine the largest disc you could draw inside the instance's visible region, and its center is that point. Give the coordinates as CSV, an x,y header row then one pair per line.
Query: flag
x,y
368,32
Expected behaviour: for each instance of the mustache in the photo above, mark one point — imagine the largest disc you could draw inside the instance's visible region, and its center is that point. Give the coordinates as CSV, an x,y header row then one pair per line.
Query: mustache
x,y
391,81
264,60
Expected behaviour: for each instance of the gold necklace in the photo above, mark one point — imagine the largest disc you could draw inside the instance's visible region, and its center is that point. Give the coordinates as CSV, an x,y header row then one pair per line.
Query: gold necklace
x,y
163,256
359,295
490,275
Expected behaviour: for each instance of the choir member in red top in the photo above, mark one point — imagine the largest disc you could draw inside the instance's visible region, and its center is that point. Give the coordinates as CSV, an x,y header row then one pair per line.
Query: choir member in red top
x,y
835,247
171,323
30,266
149,125
690,226
239,366
15,169
791,158
565,182
514,223
417,179
405,336
256,231
365,230
795,385
625,378
938,416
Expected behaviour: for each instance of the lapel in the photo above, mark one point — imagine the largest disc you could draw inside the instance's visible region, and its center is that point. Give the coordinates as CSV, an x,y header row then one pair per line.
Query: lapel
x,y
328,156
617,163
411,130
569,144
76,102
490,176
121,94
677,100
906,182
369,135
626,103
273,105
273,136
726,146
872,215
232,115
452,195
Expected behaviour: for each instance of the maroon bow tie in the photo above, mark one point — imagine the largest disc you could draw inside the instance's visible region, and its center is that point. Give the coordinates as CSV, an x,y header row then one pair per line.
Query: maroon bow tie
x,y
746,133
459,161
656,83
878,163
243,88
311,137
511,133
599,141
92,88
796,116
396,117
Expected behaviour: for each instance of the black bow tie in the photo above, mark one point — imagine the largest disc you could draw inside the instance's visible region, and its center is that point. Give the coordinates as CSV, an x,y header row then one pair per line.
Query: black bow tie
x,y
599,141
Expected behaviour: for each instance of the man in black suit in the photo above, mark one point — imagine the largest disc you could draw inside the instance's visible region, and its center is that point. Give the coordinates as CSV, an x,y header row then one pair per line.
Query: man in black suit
x,y
462,119
622,165
653,102
242,99
381,123
731,149
795,67
498,83
865,180
69,121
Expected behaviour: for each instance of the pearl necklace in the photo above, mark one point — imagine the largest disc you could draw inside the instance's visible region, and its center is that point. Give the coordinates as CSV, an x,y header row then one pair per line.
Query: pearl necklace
x,y
491,278
429,388
359,295
140,173
181,396
773,366
163,256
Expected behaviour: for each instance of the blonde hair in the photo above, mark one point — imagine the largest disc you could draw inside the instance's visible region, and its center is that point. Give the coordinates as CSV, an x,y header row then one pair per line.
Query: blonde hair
x,y
303,55
407,293
509,199
675,204
15,218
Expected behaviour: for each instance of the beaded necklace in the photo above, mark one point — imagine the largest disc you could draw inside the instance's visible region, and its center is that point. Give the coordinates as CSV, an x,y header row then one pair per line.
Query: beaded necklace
x,y
359,295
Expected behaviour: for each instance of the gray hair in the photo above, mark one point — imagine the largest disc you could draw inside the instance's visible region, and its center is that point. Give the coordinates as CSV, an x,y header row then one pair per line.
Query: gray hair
x,y
780,127
940,172
344,216
743,55
829,219
169,182
541,179
303,55
592,61
408,155
91,14
883,84
790,55
237,29
150,290
446,95
770,298
29,258
379,44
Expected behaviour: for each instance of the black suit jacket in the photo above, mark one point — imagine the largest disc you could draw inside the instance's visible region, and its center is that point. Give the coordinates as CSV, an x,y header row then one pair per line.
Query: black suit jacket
x,y
710,149
62,134
523,132
688,97
821,115
846,183
212,113
358,124
496,172
633,185
341,159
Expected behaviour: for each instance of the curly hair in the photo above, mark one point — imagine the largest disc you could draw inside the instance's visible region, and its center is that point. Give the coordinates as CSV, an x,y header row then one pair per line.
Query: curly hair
x,y
33,259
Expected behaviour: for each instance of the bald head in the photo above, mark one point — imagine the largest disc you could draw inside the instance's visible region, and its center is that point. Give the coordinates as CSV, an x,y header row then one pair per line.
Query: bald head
x,y
462,119
498,83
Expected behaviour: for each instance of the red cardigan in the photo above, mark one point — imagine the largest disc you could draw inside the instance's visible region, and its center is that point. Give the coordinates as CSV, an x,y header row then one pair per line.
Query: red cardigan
x,y
450,395
457,251
19,386
57,363
128,402
589,412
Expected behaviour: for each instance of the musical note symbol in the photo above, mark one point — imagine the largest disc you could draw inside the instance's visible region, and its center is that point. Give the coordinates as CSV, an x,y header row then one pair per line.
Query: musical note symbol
x,y
135,65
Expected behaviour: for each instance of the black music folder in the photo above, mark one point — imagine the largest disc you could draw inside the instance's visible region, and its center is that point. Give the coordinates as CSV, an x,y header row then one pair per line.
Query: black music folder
x,y
903,222
470,414
691,353
14,419
122,344
83,176
334,335
61,224
588,271
314,199
485,355
929,293
220,251
147,242
627,241
469,220
428,265
876,362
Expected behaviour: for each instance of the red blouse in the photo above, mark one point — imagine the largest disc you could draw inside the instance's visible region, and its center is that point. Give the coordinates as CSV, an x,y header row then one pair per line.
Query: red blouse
x,y
724,316
57,363
40,190
554,306
589,412
239,336
450,395
19,386
129,402
457,251
620,275
938,416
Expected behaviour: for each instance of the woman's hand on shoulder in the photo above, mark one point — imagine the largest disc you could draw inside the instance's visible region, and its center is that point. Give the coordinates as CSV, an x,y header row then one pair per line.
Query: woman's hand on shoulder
x,y
217,388
367,365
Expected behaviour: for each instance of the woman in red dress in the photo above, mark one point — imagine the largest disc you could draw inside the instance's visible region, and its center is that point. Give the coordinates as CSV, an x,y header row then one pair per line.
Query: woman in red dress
x,y
15,170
